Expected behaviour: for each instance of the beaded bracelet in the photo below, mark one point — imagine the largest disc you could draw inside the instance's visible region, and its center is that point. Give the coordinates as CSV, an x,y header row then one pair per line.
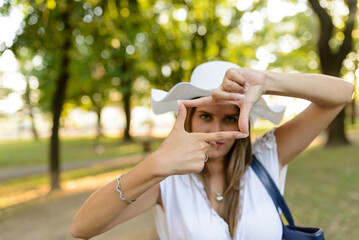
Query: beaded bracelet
x,y
119,190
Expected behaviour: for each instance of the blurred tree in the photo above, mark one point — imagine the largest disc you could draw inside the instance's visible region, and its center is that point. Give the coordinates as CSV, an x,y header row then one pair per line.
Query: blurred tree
x,y
4,92
28,107
106,59
31,95
90,83
110,57
183,35
46,35
334,44
124,50
112,51
60,91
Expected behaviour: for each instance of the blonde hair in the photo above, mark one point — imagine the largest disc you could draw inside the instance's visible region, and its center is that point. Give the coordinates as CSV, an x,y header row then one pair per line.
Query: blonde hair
x,y
237,160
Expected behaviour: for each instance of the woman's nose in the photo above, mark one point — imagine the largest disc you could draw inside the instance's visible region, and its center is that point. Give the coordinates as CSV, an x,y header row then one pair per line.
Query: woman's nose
x,y
216,126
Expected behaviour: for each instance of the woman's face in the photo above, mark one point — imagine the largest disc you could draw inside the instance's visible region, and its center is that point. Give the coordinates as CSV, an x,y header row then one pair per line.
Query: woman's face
x,y
216,118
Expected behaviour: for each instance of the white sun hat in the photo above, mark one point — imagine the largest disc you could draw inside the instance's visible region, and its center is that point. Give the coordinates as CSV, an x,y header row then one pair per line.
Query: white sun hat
x,y
205,79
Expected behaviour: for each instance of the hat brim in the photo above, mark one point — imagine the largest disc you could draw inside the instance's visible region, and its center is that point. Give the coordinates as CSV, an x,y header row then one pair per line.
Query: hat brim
x,y
162,102
205,79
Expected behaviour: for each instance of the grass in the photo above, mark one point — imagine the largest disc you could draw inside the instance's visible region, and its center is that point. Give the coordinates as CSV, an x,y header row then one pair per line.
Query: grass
x,y
30,153
19,153
322,187
322,190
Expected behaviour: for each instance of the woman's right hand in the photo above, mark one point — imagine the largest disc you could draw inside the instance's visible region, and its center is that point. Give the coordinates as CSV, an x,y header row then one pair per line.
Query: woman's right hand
x,y
240,86
183,152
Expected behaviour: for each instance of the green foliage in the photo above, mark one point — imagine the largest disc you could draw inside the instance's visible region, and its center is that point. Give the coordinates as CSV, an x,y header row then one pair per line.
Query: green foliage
x,y
30,153
39,44
121,49
125,47
4,92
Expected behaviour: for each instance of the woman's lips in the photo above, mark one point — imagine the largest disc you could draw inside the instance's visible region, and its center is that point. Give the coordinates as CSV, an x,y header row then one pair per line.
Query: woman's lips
x,y
219,144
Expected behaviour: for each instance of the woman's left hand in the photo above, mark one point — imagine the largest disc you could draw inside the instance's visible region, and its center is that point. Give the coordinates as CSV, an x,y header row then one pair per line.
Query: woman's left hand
x,y
240,86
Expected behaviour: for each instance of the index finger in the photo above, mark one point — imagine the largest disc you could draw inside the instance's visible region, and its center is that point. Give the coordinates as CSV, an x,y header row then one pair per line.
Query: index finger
x,y
198,102
244,116
220,136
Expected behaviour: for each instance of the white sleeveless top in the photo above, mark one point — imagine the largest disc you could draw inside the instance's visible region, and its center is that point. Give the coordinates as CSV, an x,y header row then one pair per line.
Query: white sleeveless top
x,y
187,213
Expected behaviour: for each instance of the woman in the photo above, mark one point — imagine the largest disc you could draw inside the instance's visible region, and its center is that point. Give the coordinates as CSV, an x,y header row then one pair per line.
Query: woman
x,y
199,180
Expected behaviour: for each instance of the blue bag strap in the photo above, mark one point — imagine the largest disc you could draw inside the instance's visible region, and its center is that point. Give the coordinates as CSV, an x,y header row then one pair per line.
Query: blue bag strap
x,y
272,189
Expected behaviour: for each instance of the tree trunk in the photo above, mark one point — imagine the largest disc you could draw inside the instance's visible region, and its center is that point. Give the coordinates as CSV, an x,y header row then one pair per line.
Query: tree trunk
x,y
99,128
127,107
336,129
33,127
353,111
331,62
57,104
336,133
127,92
29,107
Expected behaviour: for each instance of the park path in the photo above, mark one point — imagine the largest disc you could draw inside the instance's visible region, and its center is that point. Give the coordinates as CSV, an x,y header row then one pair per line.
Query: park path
x,y
15,172
50,217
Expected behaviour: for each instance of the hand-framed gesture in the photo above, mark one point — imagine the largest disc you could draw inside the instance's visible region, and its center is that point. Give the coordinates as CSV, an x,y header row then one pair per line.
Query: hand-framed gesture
x,y
240,86
186,152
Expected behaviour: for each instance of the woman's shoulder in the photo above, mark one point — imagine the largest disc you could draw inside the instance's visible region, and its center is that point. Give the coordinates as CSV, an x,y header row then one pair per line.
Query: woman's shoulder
x,y
265,149
266,142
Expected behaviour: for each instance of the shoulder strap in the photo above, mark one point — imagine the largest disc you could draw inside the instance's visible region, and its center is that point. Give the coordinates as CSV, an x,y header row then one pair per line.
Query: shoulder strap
x,y
272,189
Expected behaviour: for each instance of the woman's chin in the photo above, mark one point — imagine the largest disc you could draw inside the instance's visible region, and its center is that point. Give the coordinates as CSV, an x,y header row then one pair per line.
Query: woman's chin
x,y
215,155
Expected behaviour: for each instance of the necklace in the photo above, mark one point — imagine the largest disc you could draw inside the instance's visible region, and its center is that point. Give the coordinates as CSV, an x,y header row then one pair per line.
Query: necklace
x,y
219,196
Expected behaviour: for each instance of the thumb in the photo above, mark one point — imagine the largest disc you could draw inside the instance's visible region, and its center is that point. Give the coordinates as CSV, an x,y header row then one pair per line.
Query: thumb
x,y
181,115
243,120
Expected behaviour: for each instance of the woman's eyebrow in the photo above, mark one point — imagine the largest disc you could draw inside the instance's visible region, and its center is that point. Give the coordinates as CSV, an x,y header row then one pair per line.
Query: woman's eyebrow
x,y
225,115
201,111
231,115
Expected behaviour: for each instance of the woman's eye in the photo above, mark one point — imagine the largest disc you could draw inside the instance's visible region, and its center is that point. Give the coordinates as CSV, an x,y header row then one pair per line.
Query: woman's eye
x,y
205,116
231,119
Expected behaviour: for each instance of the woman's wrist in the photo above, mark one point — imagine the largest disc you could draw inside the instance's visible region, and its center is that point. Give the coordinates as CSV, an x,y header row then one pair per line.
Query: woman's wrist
x,y
140,178
269,83
155,164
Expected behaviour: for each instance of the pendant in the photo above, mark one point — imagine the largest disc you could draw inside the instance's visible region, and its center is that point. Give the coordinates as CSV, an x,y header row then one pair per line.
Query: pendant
x,y
219,198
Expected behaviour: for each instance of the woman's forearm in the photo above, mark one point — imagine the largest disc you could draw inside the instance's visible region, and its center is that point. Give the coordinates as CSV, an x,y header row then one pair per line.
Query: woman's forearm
x,y
321,89
104,205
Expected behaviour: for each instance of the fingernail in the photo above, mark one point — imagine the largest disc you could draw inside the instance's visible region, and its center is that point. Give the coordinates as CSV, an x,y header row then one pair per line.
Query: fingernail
x,y
178,102
239,97
245,89
246,84
242,135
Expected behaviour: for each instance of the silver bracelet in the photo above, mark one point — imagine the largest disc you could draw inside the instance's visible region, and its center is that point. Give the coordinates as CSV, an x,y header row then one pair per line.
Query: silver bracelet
x,y
119,190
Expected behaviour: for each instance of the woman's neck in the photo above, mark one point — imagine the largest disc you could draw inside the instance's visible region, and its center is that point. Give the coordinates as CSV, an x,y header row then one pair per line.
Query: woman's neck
x,y
215,173
215,167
